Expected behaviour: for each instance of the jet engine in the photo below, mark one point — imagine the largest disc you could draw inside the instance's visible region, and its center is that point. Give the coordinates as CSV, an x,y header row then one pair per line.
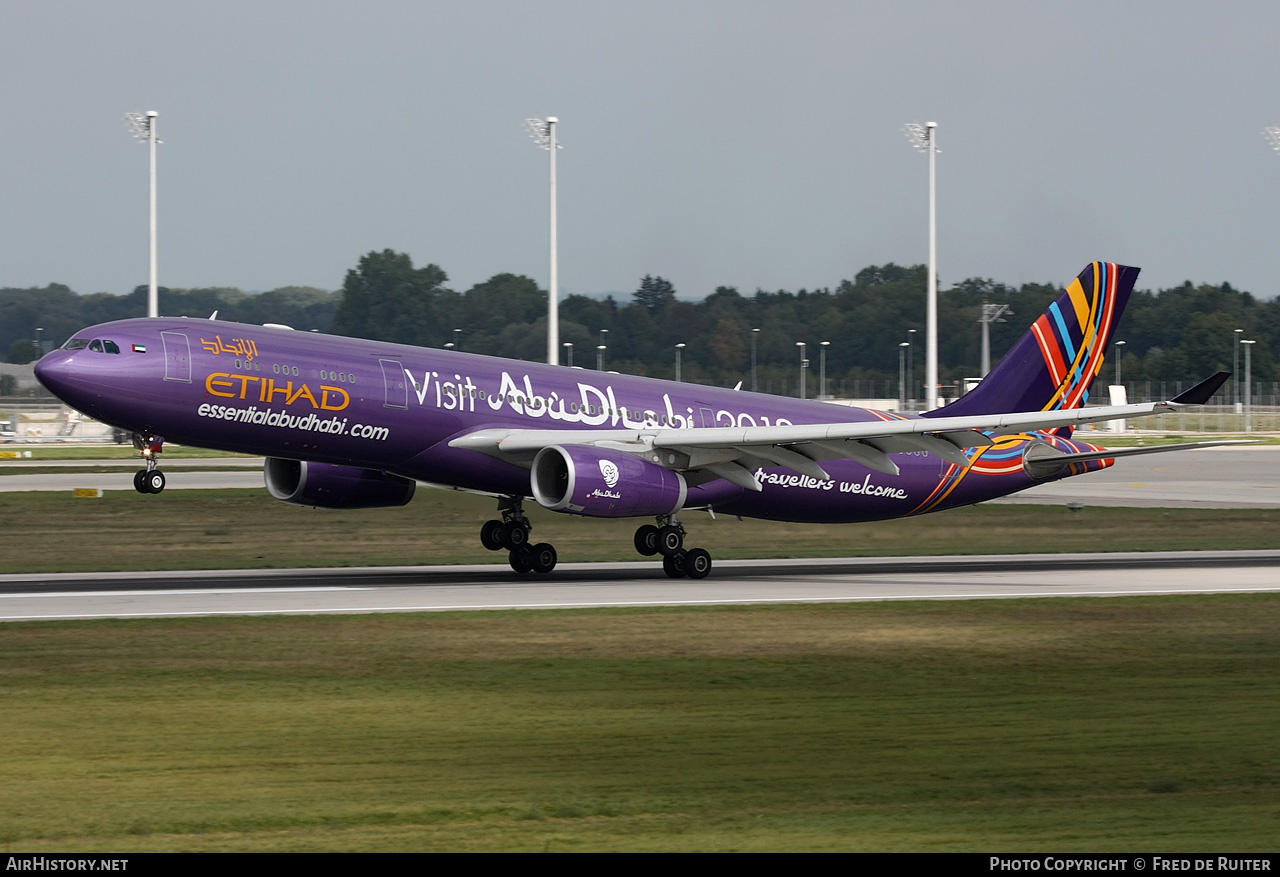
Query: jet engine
x,y
323,485
599,483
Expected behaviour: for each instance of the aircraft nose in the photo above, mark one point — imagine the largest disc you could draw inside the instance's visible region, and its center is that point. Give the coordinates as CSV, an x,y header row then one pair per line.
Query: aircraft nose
x,y
53,371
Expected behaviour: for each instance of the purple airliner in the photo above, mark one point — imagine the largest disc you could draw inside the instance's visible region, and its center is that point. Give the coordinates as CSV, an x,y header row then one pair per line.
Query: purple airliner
x,y
349,423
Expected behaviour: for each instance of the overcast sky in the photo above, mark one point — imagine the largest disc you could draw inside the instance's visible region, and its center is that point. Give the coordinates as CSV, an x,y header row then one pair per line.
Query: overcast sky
x,y
751,144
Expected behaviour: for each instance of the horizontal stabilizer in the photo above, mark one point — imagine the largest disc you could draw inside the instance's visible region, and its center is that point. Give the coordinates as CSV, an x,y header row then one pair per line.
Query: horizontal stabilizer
x,y
1043,461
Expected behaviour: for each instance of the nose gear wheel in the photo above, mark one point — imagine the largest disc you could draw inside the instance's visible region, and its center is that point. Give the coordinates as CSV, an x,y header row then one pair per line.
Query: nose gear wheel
x,y
150,479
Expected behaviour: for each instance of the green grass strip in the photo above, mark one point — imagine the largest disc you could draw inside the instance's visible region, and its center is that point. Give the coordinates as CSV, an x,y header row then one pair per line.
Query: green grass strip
x,y
233,529
1126,724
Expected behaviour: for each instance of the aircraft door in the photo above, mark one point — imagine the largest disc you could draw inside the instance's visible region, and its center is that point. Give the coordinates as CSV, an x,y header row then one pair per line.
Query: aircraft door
x,y
393,382
177,357
708,417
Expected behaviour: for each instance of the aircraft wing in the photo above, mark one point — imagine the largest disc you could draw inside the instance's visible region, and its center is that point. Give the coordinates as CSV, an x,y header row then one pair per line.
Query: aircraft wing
x,y
733,452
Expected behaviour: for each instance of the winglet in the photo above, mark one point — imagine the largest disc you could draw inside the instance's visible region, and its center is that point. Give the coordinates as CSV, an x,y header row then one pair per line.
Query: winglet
x,y
1203,391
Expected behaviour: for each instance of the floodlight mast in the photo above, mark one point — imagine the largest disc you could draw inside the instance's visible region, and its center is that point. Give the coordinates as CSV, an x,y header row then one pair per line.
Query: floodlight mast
x,y
543,132
143,126
1272,133
991,313
925,139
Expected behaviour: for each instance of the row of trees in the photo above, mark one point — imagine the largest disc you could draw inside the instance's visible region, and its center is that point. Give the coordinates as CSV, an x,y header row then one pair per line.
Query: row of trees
x,y
1178,334
54,312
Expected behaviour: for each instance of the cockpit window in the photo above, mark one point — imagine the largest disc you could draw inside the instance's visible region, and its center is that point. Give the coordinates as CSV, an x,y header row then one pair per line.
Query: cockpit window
x,y
111,346
76,344
95,344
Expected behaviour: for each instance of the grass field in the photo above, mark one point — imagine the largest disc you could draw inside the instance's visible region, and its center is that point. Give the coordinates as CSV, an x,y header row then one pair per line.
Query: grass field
x,y
1048,725
229,529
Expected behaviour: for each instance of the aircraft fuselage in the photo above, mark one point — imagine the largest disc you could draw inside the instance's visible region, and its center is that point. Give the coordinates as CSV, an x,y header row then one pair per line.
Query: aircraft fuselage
x,y
395,408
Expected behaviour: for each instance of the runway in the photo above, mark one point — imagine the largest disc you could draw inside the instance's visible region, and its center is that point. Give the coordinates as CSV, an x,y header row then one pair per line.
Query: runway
x,y
1243,477
50,596
1213,478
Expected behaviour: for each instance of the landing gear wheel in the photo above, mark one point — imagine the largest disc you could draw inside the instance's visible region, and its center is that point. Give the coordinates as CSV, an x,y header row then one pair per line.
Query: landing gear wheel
x,y
674,565
514,535
697,563
491,535
521,559
153,481
138,483
670,540
647,540
543,558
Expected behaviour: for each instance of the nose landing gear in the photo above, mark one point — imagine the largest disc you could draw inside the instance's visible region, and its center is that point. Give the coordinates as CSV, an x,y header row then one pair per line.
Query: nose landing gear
x,y
512,533
667,539
150,479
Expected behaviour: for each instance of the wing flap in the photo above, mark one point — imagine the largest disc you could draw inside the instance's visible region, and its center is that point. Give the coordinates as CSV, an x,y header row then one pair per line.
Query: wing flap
x,y
781,456
736,474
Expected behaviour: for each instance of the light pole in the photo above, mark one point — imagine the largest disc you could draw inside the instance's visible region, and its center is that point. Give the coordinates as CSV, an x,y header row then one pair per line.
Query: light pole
x,y
1235,368
804,364
568,347
40,340
755,386
925,139
822,370
600,349
143,126
1248,385
543,132
679,347
902,375
991,313
911,369
1272,133
457,344
1119,355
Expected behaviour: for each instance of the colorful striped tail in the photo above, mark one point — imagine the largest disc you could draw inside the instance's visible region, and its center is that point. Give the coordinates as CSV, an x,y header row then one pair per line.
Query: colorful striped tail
x,y
1054,364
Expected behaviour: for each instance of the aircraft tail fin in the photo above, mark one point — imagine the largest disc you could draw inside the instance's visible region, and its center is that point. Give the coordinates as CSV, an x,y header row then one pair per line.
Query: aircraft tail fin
x,y
1054,364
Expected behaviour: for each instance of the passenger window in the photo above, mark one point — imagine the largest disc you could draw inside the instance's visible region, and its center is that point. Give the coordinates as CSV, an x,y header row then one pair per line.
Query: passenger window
x,y
111,346
95,344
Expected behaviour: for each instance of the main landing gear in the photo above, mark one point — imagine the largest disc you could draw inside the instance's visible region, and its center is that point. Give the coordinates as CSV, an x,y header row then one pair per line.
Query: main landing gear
x,y
150,479
512,533
667,539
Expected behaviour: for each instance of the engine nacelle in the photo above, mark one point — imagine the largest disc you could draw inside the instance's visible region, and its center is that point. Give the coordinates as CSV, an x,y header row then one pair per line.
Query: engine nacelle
x,y
582,480
335,487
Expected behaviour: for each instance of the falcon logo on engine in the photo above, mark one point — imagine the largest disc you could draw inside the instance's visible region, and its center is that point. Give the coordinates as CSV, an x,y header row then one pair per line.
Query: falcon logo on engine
x,y
610,472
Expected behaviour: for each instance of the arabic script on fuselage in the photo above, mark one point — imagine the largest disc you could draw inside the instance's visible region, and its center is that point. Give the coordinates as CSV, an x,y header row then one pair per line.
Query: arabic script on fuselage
x,y
244,347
